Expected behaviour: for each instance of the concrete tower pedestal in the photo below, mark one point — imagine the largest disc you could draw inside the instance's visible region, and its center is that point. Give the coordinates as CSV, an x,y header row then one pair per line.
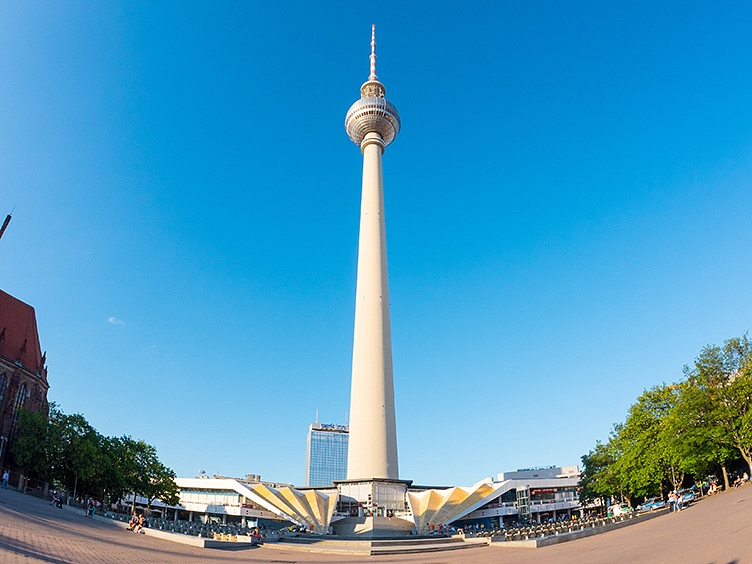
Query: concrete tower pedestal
x,y
377,507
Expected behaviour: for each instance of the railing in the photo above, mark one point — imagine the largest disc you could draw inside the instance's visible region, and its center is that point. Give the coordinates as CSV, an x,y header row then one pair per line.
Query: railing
x,y
543,530
191,528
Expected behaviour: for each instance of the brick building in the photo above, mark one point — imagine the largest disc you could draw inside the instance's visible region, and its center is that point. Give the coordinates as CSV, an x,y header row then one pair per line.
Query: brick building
x,y
23,374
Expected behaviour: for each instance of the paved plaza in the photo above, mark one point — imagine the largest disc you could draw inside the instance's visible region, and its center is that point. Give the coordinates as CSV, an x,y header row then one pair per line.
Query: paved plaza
x,y
715,530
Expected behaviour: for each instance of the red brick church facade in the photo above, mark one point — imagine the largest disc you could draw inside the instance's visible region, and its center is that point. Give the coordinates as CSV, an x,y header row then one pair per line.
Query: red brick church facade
x,y
23,374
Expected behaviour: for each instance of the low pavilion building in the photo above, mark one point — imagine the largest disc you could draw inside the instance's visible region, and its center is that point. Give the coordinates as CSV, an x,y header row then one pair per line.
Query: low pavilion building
x,y
533,494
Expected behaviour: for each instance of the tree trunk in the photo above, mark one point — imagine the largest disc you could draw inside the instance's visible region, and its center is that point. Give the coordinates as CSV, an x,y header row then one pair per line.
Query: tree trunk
x,y
676,479
725,477
747,455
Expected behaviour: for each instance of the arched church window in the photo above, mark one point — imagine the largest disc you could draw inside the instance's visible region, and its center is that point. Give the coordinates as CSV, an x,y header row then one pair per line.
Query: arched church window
x,y
20,399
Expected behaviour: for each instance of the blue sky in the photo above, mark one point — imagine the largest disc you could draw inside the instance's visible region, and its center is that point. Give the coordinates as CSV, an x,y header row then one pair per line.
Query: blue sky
x,y
568,217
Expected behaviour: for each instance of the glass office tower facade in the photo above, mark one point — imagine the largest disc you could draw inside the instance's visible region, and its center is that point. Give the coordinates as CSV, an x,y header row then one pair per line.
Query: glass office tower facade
x,y
326,454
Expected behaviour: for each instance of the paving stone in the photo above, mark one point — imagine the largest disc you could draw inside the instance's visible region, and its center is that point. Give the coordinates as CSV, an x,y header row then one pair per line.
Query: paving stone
x,y
715,530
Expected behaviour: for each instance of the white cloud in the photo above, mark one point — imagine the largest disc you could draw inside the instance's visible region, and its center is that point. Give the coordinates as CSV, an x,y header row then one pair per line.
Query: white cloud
x,y
115,321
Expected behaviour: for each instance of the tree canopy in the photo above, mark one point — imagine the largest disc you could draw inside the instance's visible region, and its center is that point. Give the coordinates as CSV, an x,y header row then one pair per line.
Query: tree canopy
x,y
699,424
67,450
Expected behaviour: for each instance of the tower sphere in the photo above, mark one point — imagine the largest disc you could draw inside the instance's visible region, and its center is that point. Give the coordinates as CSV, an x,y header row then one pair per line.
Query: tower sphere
x,y
372,114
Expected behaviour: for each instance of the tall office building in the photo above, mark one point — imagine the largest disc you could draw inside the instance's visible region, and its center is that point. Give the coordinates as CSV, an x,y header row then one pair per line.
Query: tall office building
x,y
326,454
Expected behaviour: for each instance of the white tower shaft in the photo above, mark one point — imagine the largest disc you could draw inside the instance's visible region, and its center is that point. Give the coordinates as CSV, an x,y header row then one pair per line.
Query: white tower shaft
x,y
372,450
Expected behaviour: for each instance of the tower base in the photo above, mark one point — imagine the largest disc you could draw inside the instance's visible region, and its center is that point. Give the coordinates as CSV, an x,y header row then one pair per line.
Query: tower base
x,y
378,509
372,527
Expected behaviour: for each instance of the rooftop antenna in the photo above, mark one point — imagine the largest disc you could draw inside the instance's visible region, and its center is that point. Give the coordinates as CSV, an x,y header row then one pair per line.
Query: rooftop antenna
x,y
317,415
373,53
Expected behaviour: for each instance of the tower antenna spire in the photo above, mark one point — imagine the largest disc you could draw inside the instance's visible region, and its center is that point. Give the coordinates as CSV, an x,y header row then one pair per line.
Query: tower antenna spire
x,y
5,224
373,53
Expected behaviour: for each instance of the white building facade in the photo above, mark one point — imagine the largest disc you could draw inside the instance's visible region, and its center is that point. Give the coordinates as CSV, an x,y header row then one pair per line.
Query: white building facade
x,y
535,494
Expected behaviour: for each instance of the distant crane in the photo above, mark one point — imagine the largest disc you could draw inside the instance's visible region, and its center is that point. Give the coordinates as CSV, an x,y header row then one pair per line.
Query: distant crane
x,y
5,225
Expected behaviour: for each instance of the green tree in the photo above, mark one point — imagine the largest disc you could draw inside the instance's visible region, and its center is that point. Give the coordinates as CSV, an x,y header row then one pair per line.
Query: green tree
x,y
691,422
67,449
719,393
161,485
144,474
691,427
117,470
31,445
598,481
79,450
649,453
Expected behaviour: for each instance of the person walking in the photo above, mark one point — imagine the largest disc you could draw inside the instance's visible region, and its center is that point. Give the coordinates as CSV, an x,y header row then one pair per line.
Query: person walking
x,y
672,498
6,477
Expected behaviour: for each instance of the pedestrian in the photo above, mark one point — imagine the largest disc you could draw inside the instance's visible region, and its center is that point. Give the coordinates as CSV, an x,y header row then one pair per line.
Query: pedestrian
x,y
6,477
672,501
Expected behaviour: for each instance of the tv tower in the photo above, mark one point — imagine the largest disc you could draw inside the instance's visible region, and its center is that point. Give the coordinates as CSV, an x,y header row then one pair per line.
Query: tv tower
x,y
372,123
